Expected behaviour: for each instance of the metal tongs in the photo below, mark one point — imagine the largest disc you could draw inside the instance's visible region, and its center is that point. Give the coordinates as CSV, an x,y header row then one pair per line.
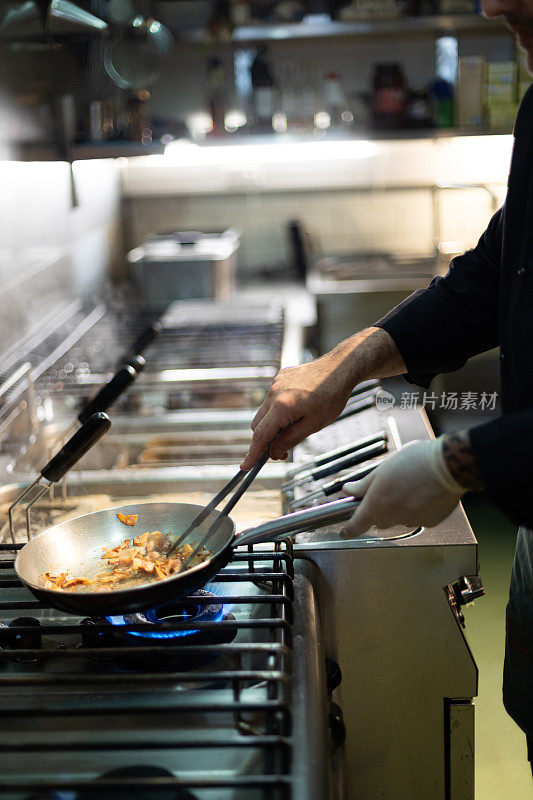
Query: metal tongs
x,y
243,478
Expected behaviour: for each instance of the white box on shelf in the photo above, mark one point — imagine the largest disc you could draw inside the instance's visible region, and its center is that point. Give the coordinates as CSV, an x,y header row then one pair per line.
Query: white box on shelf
x,y
470,100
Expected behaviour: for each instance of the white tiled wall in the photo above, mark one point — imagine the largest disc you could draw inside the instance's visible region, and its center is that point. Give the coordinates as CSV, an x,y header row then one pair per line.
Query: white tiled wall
x,y
347,203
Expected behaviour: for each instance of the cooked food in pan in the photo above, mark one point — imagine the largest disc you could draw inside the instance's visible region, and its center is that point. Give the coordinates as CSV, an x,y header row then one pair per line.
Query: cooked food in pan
x,y
128,519
130,563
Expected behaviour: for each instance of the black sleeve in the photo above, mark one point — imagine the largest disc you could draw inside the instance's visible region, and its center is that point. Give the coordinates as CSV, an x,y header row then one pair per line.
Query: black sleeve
x,y
439,328
502,449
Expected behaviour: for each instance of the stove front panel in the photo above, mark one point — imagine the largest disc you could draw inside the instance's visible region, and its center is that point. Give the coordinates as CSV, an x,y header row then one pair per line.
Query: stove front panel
x,y
389,624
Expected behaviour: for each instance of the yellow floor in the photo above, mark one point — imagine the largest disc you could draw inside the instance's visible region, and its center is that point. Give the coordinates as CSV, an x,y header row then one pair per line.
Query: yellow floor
x,y
502,771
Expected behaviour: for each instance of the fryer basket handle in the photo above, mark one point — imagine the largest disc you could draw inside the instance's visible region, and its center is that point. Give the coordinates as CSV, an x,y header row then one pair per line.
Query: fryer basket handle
x,y
146,338
138,362
298,521
76,447
110,392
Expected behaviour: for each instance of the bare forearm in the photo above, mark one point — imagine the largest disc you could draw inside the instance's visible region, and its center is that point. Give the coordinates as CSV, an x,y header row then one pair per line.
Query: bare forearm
x,y
304,399
460,460
371,353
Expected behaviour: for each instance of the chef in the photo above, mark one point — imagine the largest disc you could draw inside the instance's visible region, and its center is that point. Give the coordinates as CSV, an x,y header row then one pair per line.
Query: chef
x,y
484,301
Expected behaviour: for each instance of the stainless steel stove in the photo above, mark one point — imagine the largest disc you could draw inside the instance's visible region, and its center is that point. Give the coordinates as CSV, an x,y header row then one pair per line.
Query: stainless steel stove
x,y
213,697
238,709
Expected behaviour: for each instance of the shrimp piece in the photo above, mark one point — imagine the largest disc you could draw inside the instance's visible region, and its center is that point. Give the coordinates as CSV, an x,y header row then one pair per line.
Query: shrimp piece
x,y
156,542
71,582
143,564
140,541
127,519
125,557
56,580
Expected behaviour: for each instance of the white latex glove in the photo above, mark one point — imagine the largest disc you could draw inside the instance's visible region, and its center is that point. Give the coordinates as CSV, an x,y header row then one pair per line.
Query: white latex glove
x,y
411,487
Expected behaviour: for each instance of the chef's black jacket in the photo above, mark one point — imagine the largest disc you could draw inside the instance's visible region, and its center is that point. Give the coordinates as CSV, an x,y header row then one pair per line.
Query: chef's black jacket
x,y
486,300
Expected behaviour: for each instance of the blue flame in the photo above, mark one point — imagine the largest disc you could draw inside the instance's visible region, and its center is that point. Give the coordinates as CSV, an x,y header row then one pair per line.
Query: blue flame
x,y
223,590
151,616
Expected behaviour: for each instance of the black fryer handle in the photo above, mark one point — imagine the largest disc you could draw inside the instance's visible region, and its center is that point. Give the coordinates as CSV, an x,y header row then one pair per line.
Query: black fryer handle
x,y
346,449
76,447
146,338
332,487
365,386
110,392
350,460
367,401
138,363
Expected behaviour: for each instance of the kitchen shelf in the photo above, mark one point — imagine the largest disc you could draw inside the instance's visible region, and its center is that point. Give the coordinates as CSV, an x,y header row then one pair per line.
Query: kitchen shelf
x,y
433,133
116,149
343,136
48,152
401,27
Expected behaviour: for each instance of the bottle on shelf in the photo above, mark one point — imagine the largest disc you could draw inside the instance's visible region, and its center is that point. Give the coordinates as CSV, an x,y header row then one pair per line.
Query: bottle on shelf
x,y
335,102
443,103
288,102
264,87
138,125
216,91
419,110
389,100
308,98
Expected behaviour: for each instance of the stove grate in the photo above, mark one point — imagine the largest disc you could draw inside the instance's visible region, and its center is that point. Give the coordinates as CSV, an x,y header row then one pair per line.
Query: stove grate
x,y
236,705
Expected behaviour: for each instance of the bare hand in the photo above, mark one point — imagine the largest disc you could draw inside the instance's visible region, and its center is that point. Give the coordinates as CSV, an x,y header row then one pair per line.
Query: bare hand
x,y
301,400
304,399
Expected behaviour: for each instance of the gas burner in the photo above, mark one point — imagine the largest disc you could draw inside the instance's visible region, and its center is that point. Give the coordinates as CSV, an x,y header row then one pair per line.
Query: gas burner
x,y
24,633
142,771
174,612
125,793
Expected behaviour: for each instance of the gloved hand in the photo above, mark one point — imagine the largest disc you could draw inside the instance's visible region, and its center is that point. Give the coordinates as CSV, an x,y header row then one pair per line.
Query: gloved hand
x,y
411,487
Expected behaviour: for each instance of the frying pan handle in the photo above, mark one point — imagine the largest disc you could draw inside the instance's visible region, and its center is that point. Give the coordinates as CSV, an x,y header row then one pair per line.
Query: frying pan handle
x,y
308,519
76,447
109,393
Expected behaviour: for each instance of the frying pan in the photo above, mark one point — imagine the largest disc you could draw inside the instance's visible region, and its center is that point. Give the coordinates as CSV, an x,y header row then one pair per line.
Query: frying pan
x,y
76,546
